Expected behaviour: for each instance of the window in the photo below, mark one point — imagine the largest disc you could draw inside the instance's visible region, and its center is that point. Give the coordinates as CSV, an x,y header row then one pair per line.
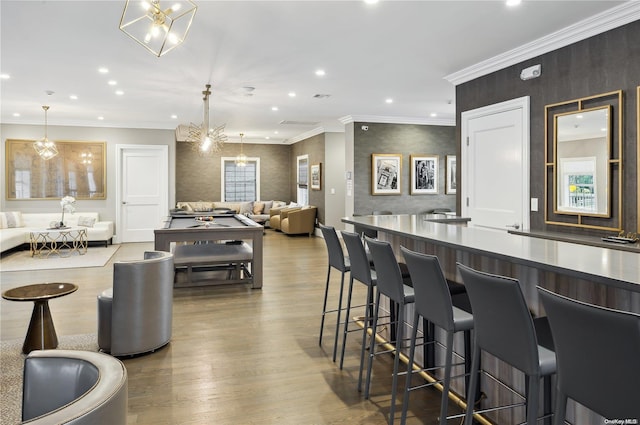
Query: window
x,y
240,184
303,180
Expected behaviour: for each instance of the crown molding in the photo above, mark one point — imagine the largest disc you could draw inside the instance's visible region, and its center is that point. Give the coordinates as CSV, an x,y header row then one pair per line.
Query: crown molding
x,y
303,136
597,24
348,119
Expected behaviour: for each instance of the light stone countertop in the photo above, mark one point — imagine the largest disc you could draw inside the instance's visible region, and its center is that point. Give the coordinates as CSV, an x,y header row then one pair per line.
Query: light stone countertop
x,y
604,265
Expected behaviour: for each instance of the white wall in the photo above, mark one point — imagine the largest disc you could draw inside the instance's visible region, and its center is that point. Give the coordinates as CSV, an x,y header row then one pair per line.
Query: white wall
x,y
106,208
334,180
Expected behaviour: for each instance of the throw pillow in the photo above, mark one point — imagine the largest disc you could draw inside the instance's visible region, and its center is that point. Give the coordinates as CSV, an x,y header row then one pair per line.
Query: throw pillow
x,y
267,207
258,207
9,220
86,221
246,208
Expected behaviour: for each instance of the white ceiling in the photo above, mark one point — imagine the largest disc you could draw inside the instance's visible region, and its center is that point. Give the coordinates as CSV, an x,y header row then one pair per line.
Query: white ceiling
x,y
394,49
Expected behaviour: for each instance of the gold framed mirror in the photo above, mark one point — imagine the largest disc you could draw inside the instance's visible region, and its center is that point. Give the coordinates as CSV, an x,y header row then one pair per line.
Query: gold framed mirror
x,y
583,154
582,144
79,170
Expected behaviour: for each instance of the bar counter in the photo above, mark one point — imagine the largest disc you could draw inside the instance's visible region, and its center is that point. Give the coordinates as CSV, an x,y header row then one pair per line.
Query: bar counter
x,y
597,275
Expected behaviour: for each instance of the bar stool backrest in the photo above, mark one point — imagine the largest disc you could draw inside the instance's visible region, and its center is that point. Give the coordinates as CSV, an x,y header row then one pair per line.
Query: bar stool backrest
x,y
598,355
502,322
433,299
334,248
360,267
389,277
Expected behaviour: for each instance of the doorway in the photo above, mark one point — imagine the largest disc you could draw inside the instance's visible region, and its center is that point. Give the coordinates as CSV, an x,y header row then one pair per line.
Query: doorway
x,y
495,165
142,190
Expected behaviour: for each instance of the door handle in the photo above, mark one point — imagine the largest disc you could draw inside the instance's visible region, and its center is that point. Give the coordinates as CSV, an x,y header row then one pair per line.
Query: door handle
x,y
514,226
124,202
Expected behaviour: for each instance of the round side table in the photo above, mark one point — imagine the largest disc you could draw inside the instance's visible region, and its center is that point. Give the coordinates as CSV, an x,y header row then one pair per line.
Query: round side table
x,y
41,333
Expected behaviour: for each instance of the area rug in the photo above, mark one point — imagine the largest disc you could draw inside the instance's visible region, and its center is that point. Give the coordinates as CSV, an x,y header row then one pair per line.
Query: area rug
x,y
22,260
12,364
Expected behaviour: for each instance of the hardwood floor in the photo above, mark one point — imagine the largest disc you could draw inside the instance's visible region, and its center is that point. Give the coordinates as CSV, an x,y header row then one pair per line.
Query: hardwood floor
x,y
238,355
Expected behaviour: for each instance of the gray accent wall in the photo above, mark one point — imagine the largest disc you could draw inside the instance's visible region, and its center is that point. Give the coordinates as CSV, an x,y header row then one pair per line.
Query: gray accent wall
x,y
405,139
198,178
314,147
600,64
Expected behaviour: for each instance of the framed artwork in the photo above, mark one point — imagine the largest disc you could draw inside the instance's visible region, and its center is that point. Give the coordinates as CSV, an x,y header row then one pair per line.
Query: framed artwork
x,y
316,176
79,170
386,172
424,174
452,183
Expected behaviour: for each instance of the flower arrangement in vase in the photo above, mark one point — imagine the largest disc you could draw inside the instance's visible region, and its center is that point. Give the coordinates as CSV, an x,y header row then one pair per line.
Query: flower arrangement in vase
x,y
68,205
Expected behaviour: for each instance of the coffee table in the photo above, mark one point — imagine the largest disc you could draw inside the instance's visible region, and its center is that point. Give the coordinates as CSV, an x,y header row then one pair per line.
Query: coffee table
x,y
41,334
63,242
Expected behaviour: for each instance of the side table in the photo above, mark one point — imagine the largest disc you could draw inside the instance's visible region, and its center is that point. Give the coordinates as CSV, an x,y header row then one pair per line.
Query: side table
x,y
41,334
63,242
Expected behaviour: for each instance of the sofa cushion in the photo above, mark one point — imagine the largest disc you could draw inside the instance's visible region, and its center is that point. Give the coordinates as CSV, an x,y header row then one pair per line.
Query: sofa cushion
x,y
10,220
86,221
258,207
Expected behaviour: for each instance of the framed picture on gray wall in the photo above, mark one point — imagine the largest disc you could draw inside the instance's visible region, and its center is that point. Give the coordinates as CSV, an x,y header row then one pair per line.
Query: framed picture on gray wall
x,y
424,174
386,172
452,183
316,176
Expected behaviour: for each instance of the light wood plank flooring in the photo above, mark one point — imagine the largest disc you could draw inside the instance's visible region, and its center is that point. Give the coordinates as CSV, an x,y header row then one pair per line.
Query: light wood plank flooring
x,y
238,355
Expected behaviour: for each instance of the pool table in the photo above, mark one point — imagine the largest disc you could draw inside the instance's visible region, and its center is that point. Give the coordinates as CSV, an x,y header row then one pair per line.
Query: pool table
x,y
186,228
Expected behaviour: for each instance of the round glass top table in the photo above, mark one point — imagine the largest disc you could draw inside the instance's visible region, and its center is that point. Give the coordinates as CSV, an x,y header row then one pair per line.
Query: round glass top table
x,y
41,334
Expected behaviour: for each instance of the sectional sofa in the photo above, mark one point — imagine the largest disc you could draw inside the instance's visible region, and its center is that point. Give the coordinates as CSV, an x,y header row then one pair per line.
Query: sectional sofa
x,y
15,226
257,211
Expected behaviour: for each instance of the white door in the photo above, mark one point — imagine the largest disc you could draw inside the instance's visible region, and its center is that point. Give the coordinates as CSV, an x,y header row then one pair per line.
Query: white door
x,y
142,190
495,165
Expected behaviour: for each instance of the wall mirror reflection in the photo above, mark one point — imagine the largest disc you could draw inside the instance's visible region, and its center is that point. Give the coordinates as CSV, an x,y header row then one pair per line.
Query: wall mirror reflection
x,y
79,170
582,147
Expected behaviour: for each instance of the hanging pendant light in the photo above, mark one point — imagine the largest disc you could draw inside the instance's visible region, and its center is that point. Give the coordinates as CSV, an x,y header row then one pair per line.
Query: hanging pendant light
x,y
205,139
45,148
241,160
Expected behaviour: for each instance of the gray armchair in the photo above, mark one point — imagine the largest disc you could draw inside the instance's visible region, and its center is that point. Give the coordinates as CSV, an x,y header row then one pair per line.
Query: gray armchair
x,y
73,387
135,316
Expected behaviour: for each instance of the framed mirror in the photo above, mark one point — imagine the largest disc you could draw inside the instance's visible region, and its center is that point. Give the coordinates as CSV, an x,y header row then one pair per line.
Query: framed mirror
x,y
583,151
582,142
79,170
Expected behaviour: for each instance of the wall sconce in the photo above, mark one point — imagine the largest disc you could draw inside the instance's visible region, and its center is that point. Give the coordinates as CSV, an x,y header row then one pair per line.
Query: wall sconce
x,y
157,29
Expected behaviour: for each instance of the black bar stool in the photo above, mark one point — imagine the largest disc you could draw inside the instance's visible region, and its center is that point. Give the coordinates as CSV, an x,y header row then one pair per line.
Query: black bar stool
x,y
598,352
433,303
390,284
338,261
504,328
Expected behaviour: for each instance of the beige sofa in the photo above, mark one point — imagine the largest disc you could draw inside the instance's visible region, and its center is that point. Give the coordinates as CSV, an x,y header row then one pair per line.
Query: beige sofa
x,y
257,211
15,226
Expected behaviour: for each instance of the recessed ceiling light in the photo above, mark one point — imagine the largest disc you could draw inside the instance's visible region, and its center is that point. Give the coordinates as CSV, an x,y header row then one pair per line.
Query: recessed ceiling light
x,y
103,70
119,92
73,97
292,94
275,132
274,108
320,73
101,118
513,2
112,82
389,100
174,117
267,137
5,76
433,114
16,114
371,1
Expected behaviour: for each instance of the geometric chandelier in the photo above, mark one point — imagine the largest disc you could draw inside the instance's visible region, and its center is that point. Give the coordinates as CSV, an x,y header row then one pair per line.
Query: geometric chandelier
x,y
45,148
158,28
206,139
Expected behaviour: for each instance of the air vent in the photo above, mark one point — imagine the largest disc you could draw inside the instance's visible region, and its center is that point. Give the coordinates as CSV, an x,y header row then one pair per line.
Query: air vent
x,y
308,123
321,96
